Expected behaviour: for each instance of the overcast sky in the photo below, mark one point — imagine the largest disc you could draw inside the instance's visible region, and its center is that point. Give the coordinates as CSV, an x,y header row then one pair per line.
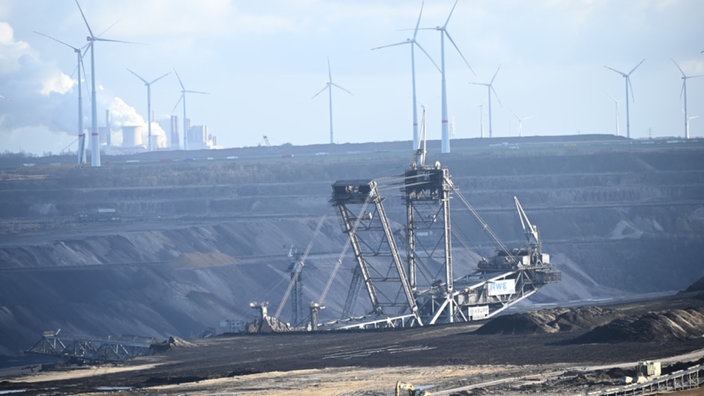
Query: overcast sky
x,y
262,62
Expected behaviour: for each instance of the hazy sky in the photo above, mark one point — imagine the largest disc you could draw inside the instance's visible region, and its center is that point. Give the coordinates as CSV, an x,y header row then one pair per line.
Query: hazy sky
x,y
262,61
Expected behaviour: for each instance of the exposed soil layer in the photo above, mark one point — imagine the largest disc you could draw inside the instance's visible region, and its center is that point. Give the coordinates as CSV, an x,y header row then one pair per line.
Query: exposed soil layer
x,y
447,346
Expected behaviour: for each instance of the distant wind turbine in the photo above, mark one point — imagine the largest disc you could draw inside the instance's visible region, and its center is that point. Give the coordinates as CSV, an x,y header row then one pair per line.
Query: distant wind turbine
x,y
490,88
520,122
148,84
627,79
328,86
81,159
413,43
445,147
184,91
94,135
683,94
616,102
689,119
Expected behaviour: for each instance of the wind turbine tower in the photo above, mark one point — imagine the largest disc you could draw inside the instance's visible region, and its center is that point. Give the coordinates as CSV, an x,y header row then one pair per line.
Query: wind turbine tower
x,y
184,91
627,79
683,94
329,86
149,104
413,43
445,147
94,134
81,159
490,88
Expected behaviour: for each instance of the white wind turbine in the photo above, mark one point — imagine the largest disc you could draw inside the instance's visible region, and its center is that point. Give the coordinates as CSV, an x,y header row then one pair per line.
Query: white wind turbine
x,y
94,135
683,93
689,122
81,159
148,84
490,88
616,102
328,86
184,91
520,122
413,43
627,79
445,147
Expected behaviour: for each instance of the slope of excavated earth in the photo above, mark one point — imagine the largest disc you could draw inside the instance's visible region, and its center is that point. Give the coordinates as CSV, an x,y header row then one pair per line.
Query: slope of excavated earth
x,y
677,324
178,244
450,359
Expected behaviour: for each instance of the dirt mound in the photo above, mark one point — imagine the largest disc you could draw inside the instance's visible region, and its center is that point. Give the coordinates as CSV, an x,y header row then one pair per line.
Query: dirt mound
x,y
679,324
547,321
269,324
698,285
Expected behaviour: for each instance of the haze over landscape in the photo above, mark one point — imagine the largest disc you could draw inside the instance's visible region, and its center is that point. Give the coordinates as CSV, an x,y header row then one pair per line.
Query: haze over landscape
x,y
262,62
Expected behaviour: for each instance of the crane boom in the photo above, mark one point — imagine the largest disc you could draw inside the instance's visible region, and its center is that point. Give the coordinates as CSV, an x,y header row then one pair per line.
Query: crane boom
x,y
530,231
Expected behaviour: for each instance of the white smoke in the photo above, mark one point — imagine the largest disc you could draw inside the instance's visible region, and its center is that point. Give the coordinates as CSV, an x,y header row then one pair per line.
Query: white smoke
x,y
122,114
35,99
38,103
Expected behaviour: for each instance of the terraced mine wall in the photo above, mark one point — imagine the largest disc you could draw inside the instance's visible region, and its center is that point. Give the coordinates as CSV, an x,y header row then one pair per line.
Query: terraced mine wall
x,y
179,244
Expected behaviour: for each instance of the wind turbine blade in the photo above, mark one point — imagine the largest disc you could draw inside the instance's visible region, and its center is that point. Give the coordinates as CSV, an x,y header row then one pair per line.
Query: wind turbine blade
x,y
180,98
679,68
495,94
159,78
114,41
630,86
427,54
450,15
458,50
57,40
179,80
634,69
327,86
393,45
83,69
514,114
495,73
109,27
84,19
329,71
138,76
415,31
478,83
196,92
337,86
617,71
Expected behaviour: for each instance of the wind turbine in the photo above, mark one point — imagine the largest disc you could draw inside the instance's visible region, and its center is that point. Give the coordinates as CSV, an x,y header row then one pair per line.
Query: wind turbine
x,y
520,122
149,103
328,86
413,43
81,159
627,79
445,147
689,119
184,91
683,93
94,135
490,88
616,102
